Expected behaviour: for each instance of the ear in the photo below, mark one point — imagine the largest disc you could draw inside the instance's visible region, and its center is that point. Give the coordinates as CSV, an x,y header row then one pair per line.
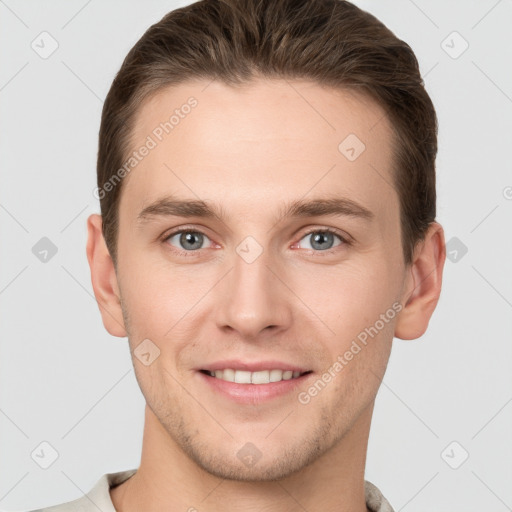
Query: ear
x,y
422,285
104,278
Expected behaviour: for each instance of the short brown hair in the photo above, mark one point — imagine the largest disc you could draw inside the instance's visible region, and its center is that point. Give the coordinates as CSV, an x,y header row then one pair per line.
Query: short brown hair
x,y
331,42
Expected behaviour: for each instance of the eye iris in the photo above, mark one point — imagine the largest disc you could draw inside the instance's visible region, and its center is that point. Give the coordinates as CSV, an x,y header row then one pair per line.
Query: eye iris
x,y
317,239
194,239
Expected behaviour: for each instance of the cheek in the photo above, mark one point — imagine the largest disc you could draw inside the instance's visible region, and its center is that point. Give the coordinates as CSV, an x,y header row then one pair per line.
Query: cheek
x,y
161,299
350,296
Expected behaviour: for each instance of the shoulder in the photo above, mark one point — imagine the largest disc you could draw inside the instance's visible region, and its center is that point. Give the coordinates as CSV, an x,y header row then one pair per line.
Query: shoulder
x,y
98,498
375,501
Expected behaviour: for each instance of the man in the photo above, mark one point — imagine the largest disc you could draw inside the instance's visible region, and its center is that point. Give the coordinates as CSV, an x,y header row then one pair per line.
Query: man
x,y
266,175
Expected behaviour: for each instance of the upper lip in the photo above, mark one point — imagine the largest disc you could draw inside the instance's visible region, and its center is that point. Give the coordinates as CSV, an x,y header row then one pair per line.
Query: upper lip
x,y
254,366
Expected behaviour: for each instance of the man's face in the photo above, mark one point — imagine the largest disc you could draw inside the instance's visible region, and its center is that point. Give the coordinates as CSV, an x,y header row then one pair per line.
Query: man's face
x,y
253,285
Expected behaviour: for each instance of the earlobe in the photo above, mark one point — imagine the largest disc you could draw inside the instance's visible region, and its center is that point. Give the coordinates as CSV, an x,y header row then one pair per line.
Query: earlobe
x,y
423,285
104,279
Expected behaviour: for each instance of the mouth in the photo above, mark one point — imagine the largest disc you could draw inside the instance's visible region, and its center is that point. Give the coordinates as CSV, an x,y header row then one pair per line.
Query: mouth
x,y
255,377
255,383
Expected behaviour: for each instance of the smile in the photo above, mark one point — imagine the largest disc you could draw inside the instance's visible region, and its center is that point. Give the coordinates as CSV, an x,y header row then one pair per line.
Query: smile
x,y
258,377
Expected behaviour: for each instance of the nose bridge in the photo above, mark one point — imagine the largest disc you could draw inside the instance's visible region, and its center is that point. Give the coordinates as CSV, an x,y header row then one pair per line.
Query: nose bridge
x,y
252,297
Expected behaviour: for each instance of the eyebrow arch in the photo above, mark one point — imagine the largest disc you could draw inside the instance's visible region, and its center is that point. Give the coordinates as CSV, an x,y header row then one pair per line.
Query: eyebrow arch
x,y
169,206
331,206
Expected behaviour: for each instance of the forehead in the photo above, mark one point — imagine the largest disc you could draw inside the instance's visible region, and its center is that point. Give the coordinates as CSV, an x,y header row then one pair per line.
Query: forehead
x,y
259,144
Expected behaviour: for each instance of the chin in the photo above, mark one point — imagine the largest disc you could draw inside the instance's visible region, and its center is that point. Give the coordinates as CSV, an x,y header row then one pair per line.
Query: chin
x,y
250,464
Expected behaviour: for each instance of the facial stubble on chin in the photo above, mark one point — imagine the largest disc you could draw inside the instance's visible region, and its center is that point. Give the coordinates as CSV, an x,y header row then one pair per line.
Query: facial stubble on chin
x,y
227,466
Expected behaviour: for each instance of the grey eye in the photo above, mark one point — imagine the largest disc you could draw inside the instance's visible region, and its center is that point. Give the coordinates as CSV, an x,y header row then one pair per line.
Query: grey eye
x,y
321,240
188,240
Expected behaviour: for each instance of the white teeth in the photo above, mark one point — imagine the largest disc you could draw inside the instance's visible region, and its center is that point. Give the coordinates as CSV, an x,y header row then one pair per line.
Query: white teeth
x,y
259,377
228,375
276,375
242,377
262,377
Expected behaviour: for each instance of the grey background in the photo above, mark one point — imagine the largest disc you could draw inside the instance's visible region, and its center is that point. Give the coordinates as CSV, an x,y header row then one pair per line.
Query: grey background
x,y
65,381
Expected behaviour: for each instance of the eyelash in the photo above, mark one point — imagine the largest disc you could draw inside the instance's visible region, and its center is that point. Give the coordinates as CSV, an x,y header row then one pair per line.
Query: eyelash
x,y
344,241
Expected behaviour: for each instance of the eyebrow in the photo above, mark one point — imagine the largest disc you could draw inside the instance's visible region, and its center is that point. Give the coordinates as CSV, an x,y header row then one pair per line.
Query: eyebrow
x,y
169,206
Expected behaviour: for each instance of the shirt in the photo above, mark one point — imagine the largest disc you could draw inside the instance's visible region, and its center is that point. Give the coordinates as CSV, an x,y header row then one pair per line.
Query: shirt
x,y
98,498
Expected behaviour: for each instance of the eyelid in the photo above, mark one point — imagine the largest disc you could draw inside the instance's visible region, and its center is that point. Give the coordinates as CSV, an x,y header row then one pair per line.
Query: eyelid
x,y
183,229
342,235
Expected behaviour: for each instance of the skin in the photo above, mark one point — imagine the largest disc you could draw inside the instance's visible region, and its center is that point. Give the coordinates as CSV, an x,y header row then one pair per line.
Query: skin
x,y
251,150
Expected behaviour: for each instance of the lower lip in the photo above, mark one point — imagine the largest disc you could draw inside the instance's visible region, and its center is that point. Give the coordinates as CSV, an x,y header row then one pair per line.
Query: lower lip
x,y
253,393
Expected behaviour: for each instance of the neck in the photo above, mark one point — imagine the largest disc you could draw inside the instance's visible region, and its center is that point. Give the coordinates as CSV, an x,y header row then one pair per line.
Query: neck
x,y
167,479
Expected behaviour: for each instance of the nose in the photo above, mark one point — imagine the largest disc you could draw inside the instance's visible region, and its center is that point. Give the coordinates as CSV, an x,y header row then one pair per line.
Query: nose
x,y
253,298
